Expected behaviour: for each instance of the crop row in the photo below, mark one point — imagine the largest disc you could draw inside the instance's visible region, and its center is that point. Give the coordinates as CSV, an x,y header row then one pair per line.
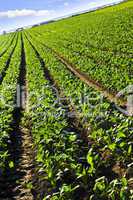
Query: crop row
x,y
109,132
5,59
7,41
7,99
3,40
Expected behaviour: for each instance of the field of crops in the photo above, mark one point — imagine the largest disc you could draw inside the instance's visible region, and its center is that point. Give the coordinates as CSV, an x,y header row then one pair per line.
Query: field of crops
x,y
66,108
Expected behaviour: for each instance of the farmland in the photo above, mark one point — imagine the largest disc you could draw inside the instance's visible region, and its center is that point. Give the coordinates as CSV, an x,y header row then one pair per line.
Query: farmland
x,y
66,123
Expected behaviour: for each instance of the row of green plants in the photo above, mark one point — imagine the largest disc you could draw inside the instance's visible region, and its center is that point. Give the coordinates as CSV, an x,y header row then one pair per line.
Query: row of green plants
x,y
5,57
7,98
109,133
98,43
5,41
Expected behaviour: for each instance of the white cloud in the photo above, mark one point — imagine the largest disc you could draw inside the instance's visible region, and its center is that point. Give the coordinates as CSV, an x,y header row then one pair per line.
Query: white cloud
x,y
25,13
66,4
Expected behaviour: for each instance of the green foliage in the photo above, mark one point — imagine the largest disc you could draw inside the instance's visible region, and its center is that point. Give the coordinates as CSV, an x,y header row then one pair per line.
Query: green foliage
x,y
99,44
7,94
58,149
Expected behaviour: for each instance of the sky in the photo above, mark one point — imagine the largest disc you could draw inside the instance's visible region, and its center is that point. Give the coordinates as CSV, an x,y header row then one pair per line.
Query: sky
x,y
18,13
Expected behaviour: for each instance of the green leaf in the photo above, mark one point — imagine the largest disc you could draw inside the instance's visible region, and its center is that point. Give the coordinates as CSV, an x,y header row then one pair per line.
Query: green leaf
x,y
122,144
11,164
121,135
129,149
29,185
90,161
100,184
72,138
124,181
112,146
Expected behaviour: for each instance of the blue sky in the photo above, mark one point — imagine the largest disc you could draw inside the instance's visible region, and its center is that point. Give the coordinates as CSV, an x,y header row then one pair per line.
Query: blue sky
x,y
17,13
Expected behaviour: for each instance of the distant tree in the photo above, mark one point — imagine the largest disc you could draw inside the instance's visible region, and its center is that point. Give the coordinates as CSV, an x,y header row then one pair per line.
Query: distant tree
x,y
4,32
